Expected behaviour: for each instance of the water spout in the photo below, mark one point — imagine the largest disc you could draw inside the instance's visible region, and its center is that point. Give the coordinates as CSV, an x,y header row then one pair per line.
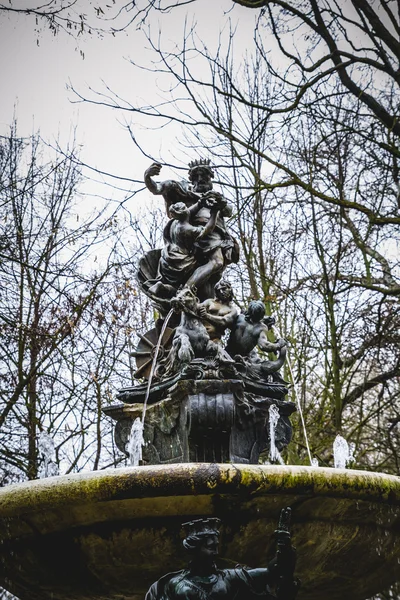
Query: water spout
x,y
273,422
47,453
342,452
135,443
299,407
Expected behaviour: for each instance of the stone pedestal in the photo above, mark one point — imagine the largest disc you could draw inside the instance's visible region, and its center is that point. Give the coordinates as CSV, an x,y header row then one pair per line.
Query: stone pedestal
x,y
205,421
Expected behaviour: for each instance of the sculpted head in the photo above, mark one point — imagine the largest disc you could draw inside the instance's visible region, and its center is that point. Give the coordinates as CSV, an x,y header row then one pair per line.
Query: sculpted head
x,y
185,298
179,211
201,539
200,175
223,291
255,311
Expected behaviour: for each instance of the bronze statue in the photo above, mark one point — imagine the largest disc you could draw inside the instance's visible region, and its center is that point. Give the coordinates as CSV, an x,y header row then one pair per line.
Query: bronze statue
x,y
211,253
191,339
249,332
203,580
178,261
219,314
205,401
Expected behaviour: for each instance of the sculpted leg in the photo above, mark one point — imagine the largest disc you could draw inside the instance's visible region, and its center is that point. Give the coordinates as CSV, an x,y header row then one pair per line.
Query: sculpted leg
x,y
203,273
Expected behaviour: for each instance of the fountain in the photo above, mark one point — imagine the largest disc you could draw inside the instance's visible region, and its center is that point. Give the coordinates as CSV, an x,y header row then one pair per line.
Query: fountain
x,y
197,425
342,453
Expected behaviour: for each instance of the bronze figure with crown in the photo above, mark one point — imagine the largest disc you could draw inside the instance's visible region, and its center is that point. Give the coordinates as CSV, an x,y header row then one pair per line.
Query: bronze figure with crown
x,y
197,245
203,580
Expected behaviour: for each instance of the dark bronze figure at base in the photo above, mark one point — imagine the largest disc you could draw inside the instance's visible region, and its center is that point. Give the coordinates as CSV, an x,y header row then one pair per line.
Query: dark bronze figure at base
x,y
203,580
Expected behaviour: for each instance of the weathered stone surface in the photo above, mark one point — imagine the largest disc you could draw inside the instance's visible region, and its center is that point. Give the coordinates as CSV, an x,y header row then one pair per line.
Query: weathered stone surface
x,y
109,534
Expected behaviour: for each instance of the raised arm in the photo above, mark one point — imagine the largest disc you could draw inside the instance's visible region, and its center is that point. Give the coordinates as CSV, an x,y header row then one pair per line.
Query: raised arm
x,y
280,571
153,186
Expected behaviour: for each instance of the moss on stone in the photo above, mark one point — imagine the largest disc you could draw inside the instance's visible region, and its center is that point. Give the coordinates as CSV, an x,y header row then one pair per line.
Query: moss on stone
x,y
340,519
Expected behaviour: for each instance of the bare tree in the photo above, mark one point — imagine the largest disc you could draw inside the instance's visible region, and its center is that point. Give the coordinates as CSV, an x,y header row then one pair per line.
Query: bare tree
x,y
314,176
78,18
67,312
355,40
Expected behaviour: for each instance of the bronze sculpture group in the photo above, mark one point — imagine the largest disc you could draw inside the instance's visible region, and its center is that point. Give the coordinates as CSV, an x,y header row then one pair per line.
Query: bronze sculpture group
x,y
197,245
186,275
214,372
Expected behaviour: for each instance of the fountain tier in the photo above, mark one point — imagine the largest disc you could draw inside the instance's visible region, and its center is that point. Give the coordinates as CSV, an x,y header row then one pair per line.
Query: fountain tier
x,y
107,535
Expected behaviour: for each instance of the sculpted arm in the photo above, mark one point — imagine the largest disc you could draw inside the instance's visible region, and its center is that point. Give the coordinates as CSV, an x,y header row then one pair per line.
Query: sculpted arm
x,y
153,186
256,581
266,346
225,320
280,571
263,341
227,210
209,228
196,207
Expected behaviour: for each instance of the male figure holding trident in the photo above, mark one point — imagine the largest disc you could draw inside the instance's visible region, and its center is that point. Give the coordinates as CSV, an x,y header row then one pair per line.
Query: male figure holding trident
x,y
212,252
202,580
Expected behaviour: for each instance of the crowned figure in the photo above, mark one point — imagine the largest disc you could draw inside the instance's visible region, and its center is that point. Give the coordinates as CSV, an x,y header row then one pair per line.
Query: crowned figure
x,y
203,580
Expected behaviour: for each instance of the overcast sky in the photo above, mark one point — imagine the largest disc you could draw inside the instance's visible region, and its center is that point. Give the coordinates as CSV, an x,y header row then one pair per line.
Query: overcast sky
x,y
35,78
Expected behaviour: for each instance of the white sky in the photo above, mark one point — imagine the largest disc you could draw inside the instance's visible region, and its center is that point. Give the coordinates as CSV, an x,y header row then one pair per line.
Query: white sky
x,y
35,77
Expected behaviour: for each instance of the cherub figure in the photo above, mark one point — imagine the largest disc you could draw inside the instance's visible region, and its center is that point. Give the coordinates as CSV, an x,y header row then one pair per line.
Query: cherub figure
x,y
250,332
178,261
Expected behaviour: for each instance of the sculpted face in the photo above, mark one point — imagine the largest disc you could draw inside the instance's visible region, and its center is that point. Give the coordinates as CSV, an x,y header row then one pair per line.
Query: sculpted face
x,y
209,547
178,211
223,291
201,180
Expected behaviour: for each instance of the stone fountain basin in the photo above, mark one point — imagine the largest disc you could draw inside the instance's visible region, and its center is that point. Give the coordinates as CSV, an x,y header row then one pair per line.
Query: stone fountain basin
x,y
108,535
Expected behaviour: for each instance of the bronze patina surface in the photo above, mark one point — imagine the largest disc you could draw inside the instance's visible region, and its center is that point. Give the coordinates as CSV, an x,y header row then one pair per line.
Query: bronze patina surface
x,y
110,534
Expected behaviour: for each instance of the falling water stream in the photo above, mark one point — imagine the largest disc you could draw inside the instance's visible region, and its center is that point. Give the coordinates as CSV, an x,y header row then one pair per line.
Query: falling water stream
x,y
47,453
136,440
274,417
301,414
313,462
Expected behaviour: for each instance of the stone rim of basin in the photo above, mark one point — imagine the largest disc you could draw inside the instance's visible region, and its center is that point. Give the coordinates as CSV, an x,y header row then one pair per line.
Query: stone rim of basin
x,y
133,514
